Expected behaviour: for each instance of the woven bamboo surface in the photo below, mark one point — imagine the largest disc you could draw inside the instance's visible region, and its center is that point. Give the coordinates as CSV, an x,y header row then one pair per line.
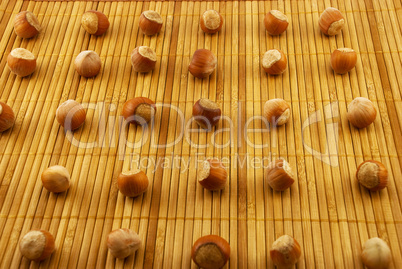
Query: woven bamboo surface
x,y
326,210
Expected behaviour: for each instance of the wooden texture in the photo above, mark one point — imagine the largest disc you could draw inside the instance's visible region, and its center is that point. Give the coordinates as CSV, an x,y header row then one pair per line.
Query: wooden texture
x,y
326,210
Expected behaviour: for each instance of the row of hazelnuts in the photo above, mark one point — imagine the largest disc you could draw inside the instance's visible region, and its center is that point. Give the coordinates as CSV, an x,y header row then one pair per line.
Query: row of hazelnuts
x,y
88,63
209,252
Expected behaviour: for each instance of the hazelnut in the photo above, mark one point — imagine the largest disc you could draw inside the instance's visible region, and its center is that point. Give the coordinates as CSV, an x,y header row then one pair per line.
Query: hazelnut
x,y
202,64
361,112
139,110
274,62
26,25
212,175
211,21
277,111
376,254
88,63
285,252
21,62
132,183
206,113
37,245
56,179
276,22
143,59
7,117
210,252
94,22
279,175
343,60
123,243
331,21
373,175
71,115
150,22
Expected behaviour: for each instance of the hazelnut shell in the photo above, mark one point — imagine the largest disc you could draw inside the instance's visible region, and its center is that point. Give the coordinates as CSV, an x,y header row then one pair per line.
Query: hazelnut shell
x,y
88,63
7,117
21,62
150,22
277,111
143,59
56,179
279,175
331,21
139,110
123,243
343,60
37,245
132,183
373,175
207,113
212,175
285,252
275,22
376,254
94,22
71,115
211,21
361,112
202,64
26,25
274,62
211,251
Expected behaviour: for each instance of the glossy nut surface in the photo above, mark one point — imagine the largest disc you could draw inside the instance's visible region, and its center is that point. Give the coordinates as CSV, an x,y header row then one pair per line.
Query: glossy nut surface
x,y
7,117
212,175
150,22
373,175
94,22
275,22
202,64
279,175
139,110
343,60
277,111
274,62
143,59
26,25
71,115
132,183
21,62
37,245
361,112
210,252
206,113
331,21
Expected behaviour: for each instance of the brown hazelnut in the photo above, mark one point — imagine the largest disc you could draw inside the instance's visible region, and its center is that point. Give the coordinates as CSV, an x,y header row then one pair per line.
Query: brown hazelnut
x,y
203,63
139,110
210,252
285,252
373,175
7,117
211,21
26,25
37,245
143,59
277,111
56,179
132,183
94,22
279,175
123,243
88,63
71,115
150,22
276,22
21,62
331,21
376,254
274,62
343,60
361,112
212,175
206,113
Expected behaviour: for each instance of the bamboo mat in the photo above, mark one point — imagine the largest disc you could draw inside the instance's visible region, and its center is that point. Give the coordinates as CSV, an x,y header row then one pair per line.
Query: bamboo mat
x,y
326,210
